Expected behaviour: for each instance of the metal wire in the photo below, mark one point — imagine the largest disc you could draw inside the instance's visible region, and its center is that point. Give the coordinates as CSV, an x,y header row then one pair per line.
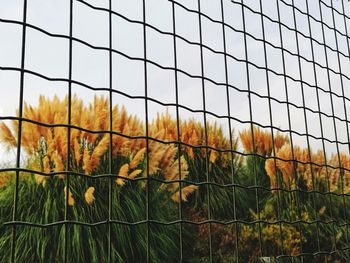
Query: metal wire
x,y
234,190
208,179
110,148
147,131
19,135
236,224
70,71
272,131
178,129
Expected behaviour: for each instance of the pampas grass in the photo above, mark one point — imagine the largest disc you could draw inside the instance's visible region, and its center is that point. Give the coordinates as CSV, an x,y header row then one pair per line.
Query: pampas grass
x,y
221,186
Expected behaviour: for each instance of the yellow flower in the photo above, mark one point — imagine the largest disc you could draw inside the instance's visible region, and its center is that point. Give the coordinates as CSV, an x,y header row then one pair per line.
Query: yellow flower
x,y
47,147
89,195
4,178
123,171
137,158
185,192
213,156
262,141
99,150
270,170
71,200
135,173
46,164
6,136
57,160
172,172
322,210
77,150
280,140
86,161
41,179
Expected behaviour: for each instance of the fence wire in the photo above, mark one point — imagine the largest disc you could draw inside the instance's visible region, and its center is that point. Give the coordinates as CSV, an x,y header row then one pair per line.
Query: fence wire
x,y
240,211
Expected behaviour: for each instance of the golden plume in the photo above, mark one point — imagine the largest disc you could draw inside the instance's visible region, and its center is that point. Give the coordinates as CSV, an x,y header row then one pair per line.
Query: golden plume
x,y
185,192
123,171
49,147
6,136
58,164
89,195
137,158
99,150
5,177
71,200
86,161
262,141
135,173
271,172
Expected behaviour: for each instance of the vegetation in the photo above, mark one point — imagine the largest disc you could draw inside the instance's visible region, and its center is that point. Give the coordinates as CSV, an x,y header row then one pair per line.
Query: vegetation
x,y
271,202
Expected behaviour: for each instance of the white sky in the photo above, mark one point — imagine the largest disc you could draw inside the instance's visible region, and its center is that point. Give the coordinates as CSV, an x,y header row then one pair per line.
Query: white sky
x,y
49,56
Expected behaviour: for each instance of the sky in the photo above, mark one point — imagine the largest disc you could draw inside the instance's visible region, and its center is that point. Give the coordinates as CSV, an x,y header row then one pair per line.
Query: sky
x,y
49,56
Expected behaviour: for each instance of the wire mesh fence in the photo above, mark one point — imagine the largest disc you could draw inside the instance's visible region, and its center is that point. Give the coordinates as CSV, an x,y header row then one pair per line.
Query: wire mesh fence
x,y
174,131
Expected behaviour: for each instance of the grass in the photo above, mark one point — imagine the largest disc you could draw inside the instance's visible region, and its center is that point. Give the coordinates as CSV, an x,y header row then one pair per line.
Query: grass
x,y
224,187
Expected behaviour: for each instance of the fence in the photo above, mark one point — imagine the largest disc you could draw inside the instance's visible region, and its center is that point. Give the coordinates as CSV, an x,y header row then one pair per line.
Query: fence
x,y
232,145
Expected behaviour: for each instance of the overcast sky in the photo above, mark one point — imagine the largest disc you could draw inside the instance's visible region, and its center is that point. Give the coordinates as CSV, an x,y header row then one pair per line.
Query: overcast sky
x,y
49,56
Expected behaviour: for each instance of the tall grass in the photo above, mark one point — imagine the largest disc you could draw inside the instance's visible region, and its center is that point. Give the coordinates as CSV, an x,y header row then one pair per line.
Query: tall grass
x,y
281,215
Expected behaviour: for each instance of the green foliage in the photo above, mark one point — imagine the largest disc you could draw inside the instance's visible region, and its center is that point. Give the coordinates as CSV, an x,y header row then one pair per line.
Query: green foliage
x,y
220,194
45,204
132,202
